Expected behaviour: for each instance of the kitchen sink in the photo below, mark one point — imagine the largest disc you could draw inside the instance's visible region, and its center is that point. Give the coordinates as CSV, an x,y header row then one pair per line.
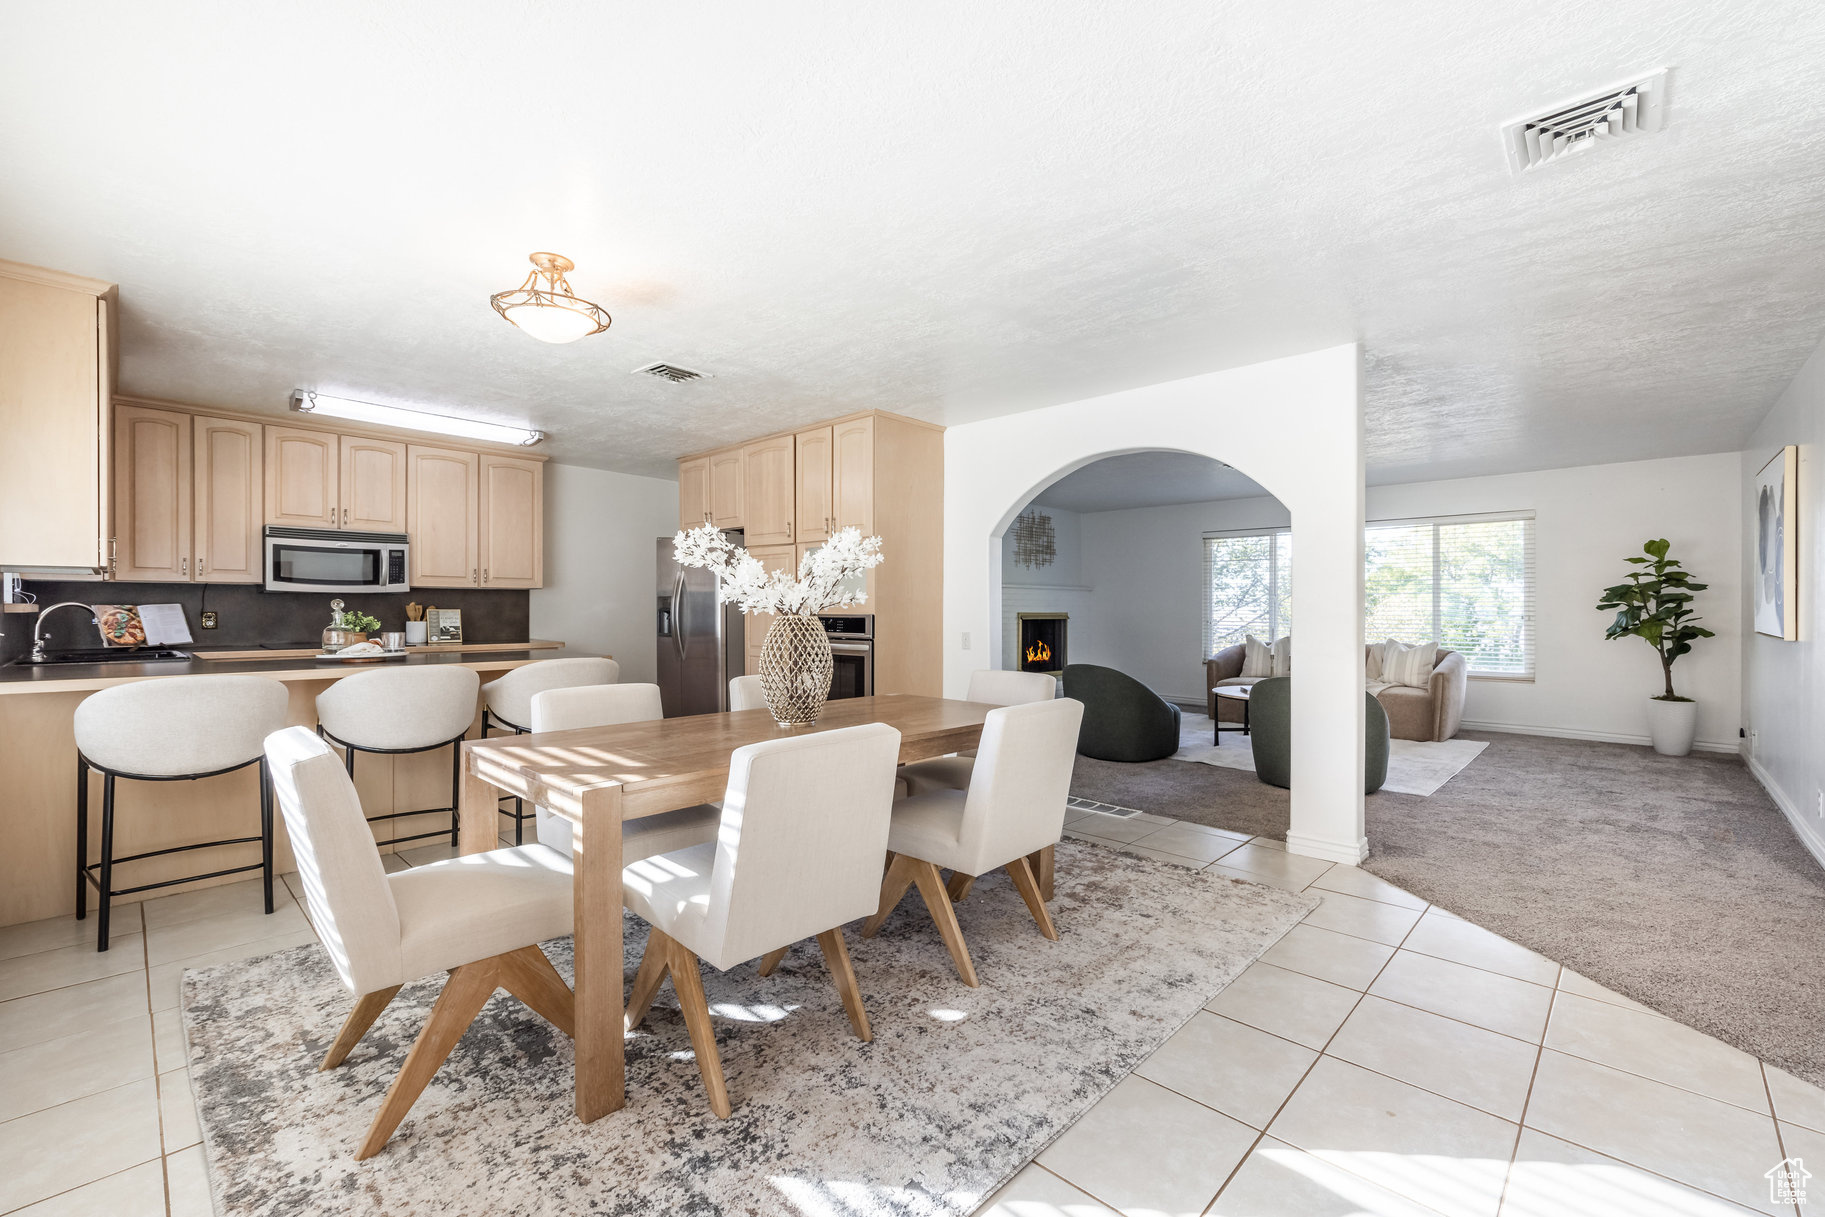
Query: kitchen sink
x,y
111,655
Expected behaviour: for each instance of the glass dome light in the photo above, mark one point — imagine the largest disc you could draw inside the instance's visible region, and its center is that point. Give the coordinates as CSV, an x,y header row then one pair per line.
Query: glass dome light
x,y
549,311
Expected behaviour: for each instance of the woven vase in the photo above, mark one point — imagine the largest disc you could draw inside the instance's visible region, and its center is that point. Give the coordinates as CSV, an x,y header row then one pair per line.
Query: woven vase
x,y
795,669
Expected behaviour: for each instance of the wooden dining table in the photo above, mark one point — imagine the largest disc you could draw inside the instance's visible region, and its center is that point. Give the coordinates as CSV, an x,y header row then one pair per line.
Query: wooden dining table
x,y
597,777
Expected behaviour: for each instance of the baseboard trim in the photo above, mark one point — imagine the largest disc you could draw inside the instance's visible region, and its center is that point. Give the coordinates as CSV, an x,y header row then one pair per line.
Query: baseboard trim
x,y
1809,836
1330,851
1599,737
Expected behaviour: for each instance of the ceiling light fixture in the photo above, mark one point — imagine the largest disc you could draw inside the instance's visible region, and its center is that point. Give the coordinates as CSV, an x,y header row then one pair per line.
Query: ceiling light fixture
x,y
304,401
550,313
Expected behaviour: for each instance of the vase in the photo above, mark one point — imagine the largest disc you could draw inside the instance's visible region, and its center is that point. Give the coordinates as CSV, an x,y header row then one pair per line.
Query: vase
x,y
1671,725
795,669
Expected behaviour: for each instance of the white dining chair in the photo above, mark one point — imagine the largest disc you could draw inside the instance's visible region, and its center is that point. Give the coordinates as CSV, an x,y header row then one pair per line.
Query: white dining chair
x,y
403,710
608,706
478,917
745,694
507,704
803,835
1014,807
991,687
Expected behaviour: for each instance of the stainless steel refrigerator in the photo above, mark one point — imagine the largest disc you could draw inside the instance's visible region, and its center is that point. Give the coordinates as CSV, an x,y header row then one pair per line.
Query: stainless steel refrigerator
x,y
701,643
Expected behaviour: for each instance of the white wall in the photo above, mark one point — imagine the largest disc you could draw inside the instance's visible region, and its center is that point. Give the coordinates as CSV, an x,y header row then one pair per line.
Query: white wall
x,y
1784,682
1587,520
995,467
600,530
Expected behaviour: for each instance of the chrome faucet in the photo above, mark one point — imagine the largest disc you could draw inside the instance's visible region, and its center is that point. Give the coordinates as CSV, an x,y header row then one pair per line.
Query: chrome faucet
x,y
38,642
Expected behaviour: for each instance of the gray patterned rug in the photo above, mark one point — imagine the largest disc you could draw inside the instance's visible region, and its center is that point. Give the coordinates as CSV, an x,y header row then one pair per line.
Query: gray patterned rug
x,y
959,1089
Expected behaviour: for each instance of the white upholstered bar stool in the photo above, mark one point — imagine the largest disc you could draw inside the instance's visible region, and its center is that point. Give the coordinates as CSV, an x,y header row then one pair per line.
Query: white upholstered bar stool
x,y
745,694
993,688
1015,806
608,706
403,710
803,834
507,704
479,917
178,729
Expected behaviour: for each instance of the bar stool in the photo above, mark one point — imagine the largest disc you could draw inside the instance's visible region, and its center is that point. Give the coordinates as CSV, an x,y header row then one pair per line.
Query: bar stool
x,y
508,702
399,711
179,729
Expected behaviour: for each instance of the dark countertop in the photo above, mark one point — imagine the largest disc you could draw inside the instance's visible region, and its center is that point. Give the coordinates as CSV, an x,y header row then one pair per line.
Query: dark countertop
x,y
78,677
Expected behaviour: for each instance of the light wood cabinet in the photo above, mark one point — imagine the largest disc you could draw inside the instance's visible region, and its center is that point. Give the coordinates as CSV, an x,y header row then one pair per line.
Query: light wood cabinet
x,y
443,516
767,492
302,473
512,522
852,474
372,488
756,625
56,385
693,493
228,471
813,456
152,490
726,489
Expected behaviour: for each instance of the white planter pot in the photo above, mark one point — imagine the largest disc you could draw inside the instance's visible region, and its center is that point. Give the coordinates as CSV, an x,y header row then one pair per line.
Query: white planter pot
x,y
1671,725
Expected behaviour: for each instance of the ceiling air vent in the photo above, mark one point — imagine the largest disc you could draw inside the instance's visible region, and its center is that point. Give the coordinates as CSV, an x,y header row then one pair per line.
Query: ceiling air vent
x,y
1636,108
669,371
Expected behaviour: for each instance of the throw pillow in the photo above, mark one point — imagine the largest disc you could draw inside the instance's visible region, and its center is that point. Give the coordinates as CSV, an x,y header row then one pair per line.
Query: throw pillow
x,y
1283,656
1408,665
1371,663
1257,657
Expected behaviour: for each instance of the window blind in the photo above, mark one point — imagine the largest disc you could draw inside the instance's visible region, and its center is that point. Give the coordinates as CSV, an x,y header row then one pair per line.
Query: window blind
x,y
1248,587
1466,581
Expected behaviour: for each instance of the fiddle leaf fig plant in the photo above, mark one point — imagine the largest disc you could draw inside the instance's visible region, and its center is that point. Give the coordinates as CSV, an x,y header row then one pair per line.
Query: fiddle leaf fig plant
x,y
1655,605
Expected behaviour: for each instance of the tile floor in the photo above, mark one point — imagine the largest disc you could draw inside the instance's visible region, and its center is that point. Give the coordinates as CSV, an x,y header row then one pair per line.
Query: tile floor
x,y
1384,1058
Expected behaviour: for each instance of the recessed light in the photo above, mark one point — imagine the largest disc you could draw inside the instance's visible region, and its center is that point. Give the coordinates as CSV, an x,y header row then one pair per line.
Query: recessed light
x,y
304,401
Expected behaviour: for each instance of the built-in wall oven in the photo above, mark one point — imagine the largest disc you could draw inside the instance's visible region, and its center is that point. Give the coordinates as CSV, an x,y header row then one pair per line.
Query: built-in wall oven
x,y
330,560
851,654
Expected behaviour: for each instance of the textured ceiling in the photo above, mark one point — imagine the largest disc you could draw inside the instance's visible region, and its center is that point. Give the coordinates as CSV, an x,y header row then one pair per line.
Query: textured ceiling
x,y
952,210
1148,479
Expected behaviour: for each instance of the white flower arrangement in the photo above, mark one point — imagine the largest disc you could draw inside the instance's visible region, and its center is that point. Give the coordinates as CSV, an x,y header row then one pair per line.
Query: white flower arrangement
x,y
817,588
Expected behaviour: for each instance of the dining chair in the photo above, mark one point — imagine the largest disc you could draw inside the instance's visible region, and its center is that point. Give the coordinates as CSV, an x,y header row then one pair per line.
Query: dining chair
x,y
507,704
479,917
745,694
991,687
608,706
803,835
392,711
1014,807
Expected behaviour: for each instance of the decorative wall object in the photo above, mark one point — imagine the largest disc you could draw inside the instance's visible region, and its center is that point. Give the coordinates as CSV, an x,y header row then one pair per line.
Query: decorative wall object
x,y
1776,551
1035,542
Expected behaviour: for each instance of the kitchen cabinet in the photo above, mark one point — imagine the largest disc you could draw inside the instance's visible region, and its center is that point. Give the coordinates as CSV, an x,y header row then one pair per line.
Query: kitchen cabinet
x,y
56,385
302,473
812,452
773,557
767,491
372,485
443,516
512,523
227,468
152,495
726,489
693,493
852,474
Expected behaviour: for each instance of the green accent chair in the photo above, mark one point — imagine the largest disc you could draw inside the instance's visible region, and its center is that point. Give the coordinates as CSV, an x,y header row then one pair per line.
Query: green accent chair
x,y
1270,720
1124,720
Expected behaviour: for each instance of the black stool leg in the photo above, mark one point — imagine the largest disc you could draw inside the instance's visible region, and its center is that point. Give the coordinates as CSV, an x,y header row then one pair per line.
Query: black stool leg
x,y
266,830
107,861
82,838
519,822
456,789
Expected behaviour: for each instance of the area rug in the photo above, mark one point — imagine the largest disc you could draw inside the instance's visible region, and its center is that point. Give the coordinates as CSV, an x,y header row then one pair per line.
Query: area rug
x,y
959,1089
1414,766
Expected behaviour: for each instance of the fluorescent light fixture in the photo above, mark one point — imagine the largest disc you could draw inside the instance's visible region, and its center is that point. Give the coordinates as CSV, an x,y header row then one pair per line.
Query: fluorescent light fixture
x,y
306,402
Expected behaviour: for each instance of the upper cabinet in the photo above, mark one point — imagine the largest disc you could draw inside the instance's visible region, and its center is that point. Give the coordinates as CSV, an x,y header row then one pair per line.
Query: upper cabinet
x,y
373,484
56,385
302,471
726,489
768,490
813,478
152,495
512,522
443,516
852,474
227,468
693,493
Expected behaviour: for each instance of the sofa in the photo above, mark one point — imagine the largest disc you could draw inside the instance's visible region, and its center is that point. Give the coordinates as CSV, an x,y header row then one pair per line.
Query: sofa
x,y
1432,713
1270,710
1124,720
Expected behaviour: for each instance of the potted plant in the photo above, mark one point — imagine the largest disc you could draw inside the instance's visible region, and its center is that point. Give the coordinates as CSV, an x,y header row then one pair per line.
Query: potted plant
x,y
1655,605
795,664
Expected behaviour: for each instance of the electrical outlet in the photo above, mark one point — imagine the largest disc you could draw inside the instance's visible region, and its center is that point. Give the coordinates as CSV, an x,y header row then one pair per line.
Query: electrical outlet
x,y
966,640
1818,803
209,620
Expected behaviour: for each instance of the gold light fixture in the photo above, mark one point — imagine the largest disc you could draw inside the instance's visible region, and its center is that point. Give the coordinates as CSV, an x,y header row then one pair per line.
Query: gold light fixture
x,y
549,311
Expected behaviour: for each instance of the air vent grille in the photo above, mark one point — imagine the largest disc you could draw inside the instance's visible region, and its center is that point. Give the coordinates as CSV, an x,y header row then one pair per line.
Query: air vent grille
x,y
669,371
1636,108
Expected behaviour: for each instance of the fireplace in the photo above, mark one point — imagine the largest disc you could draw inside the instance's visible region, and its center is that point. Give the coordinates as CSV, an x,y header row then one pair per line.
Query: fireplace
x,y
1042,642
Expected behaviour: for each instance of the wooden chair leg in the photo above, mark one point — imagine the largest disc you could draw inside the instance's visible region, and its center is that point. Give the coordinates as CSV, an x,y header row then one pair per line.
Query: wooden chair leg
x,y
938,901
959,886
771,959
899,877
687,982
1043,862
836,958
463,997
529,976
653,966
1020,870
366,1010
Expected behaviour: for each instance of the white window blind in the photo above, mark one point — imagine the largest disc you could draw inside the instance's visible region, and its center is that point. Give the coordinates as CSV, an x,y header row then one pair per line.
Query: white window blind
x,y
1466,581
1248,587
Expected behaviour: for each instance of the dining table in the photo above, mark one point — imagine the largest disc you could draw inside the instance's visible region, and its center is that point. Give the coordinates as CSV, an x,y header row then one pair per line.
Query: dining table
x,y
598,777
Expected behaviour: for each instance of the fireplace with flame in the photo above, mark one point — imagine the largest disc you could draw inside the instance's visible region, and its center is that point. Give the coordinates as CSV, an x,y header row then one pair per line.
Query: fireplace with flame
x,y
1042,642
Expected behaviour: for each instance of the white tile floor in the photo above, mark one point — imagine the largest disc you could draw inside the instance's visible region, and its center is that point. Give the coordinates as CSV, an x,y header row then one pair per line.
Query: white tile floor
x,y
1384,1058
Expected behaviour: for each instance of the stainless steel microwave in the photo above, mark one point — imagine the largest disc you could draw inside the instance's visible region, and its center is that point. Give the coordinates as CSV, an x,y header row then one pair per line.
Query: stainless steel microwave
x,y
326,560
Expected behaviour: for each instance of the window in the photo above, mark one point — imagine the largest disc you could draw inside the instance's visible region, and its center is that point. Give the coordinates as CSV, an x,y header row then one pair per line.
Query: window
x,y
1248,587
